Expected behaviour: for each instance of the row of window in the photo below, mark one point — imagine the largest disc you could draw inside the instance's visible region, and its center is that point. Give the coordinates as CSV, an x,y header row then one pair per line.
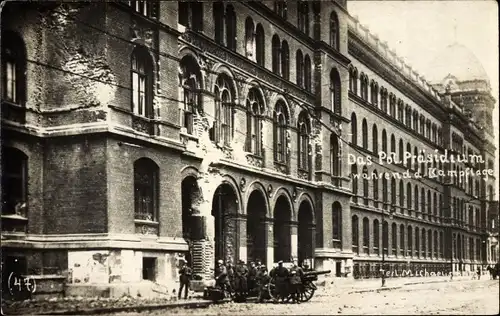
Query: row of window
x,y
428,243
397,108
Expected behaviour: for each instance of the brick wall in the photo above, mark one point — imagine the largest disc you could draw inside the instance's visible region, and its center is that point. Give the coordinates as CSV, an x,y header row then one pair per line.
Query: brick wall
x,y
75,185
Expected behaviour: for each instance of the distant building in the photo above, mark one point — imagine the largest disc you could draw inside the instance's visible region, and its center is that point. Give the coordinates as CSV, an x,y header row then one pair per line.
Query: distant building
x,y
136,134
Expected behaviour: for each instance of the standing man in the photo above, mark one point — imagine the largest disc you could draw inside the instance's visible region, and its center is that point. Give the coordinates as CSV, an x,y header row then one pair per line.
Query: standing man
x,y
263,280
296,274
221,275
252,277
184,279
282,280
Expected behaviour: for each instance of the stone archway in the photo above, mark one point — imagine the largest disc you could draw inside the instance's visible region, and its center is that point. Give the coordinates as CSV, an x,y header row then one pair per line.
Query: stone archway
x,y
224,211
305,249
282,230
256,227
190,193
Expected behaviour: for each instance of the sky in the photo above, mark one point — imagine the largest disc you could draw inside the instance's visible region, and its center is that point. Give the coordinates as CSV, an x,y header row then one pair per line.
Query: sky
x,y
419,29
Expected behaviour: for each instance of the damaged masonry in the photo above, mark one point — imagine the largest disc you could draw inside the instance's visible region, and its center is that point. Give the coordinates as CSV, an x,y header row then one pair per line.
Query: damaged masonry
x,y
139,134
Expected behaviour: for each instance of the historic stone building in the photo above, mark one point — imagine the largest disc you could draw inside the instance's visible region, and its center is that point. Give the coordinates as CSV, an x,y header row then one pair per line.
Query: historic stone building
x,y
138,133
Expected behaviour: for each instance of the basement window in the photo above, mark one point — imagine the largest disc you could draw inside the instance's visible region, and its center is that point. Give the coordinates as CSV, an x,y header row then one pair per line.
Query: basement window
x,y
149,269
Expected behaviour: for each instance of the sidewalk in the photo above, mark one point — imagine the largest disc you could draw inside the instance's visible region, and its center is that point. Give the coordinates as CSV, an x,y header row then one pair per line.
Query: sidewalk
x,y
89,306
370,285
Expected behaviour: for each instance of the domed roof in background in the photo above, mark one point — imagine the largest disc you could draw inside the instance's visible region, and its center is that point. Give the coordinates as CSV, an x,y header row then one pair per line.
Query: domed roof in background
x,y
458,61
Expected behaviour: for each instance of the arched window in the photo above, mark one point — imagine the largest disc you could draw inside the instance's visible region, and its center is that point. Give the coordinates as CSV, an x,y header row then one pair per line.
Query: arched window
x,y
408,161
393,146
307,73
392,105
231,28
190,78
408,198
299,68
364,131
260,45
218,9
375,139
385,197
334,30
435,248
249,39
375,189
354,130
366,191
422,201
394,239
303,16
191,14
401,195
303,141
354,180
416,200
285,60
402,239
146,185
364,86
353,80
429,205
374,93
401,150
417,242
393,192
355,234
335,88
224,102
280,132
384,141
142,82
276,50
376,236
424,243
336,225
385,237
14,182
13,68
410,241
400,110
255,111
366,235
429,243
335,157
383,99
415,163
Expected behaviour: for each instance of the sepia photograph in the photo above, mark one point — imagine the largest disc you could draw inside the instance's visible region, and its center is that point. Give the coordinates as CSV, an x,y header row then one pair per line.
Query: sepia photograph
x,y
322,157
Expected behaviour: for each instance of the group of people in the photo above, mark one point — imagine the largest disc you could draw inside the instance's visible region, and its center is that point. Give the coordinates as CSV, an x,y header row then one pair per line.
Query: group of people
x,y
243,280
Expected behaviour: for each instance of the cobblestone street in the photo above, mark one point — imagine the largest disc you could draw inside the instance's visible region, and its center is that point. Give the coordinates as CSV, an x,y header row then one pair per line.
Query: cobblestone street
x,y
464,297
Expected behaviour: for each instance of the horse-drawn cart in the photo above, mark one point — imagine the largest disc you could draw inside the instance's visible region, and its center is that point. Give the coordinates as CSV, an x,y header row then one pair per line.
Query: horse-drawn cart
x,y
307,287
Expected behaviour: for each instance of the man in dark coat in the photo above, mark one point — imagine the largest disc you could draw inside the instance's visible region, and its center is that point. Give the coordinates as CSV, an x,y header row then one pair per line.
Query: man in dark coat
x,y
263,279
221,275
252,277
295,278
241,272
184,279
281,277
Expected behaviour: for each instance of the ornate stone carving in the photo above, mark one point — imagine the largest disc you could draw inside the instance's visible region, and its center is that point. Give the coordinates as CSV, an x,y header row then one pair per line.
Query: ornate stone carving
x,y
281,167
145,229
140,32
303,174
270,190
142,125
255,161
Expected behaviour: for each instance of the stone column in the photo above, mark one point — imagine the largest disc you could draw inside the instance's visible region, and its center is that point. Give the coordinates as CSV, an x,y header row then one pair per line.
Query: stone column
x,y
293,226
269,223
241,236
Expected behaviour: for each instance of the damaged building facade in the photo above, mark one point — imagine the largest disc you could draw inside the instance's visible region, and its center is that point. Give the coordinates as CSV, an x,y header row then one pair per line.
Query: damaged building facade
x,y
139,133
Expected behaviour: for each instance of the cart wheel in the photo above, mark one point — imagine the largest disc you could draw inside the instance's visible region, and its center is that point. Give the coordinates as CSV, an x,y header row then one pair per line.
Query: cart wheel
x,y
273,292
307,291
